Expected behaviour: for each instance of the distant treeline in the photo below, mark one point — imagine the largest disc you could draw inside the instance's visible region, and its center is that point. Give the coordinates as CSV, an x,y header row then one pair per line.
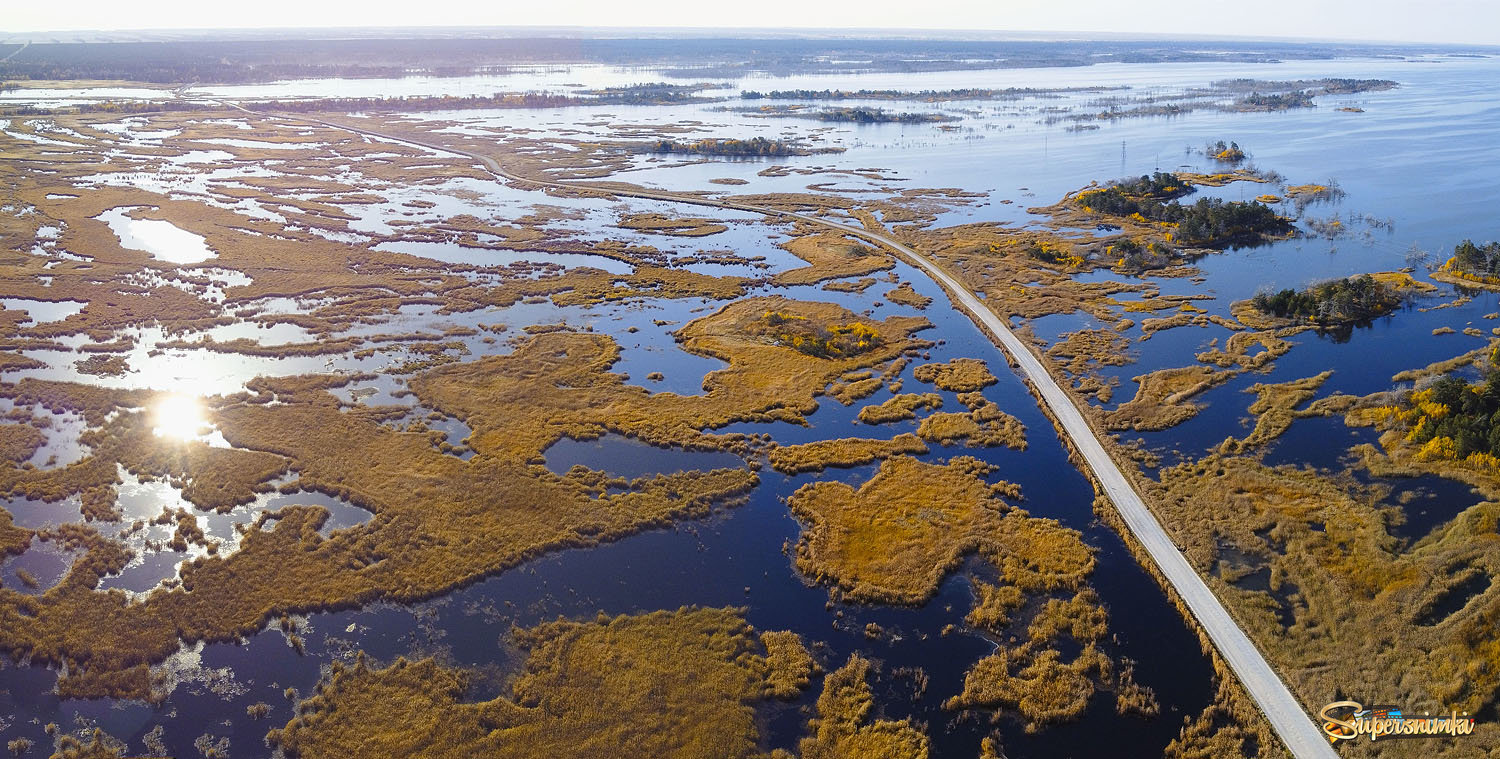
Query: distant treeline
x,y
1330,86
850,115
618,96
755,146
1249,95
1284,96
970,93
621,96
111,106
655,93
875,116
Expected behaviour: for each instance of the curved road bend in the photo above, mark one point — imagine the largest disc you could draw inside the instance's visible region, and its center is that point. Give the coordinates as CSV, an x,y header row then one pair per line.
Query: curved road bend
x,y
1301,736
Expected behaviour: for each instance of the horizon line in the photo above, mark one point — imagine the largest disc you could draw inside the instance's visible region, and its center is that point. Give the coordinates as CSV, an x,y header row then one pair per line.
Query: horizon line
x,y
452,31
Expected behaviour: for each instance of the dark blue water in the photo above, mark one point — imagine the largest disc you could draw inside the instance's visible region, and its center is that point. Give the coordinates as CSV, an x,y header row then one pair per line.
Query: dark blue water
x,y
734,558
624,457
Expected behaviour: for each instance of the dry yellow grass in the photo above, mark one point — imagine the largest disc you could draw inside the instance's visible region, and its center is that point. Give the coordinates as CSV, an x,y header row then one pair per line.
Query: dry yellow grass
x,y
904,295
844,452
98,746
13,539
679,227
438,520
893,539
995,606
1088,350
857,286
848,391
1163,398
1340,589
985,425
961,375
19,441
677,685
843,728
899,407
1084,352
789,667
830,256
1033,679
1236,350
1276,407
280,259
1220,731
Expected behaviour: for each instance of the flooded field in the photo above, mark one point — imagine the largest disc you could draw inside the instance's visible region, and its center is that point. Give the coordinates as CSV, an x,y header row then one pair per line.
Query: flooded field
x,y
286,402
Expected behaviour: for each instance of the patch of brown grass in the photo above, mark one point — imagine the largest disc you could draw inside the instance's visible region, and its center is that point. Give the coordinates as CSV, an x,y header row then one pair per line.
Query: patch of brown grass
x,y
19,441
680,685
985,425
904,295
961,375
677,227
843,728
899,407
844,452
894,538
830,256
1033,679
1276,407
1162,399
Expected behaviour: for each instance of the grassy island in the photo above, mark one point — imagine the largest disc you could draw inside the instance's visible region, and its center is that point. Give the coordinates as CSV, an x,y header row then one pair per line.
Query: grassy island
x,y
1208,223
753,147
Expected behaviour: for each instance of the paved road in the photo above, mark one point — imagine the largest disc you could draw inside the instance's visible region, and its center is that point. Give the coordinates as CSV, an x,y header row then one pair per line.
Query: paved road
x,y
1302,737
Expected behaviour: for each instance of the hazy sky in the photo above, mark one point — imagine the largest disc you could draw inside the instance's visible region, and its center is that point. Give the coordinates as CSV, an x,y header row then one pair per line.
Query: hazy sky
x,y
1456,21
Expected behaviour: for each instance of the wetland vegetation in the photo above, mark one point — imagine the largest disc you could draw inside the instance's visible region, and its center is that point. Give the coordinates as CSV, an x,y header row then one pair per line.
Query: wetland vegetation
x,y
852,115
1340,301
1207,223
1474,263
388,457
755,146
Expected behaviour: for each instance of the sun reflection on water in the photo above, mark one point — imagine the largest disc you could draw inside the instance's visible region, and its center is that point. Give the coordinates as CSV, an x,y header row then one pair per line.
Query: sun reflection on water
x,y
178,417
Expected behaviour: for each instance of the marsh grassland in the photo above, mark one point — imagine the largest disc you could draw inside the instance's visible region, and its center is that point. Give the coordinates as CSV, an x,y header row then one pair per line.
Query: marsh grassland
x,y
340,445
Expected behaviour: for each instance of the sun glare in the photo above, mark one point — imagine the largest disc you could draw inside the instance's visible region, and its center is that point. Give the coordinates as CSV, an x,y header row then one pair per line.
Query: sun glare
x,y
178,417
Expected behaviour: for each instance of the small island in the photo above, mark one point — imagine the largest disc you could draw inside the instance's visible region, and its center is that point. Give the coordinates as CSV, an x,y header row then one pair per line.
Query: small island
x,y
1472,264
1209,223
1334,303
753,147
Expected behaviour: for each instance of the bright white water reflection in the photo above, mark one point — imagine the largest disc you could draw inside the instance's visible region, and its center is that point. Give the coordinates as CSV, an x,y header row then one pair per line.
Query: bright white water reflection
x,y
162,239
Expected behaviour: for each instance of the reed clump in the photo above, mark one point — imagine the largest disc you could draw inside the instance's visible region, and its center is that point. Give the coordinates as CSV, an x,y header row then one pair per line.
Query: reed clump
x,y
961,375
899,407
894,538
844,452
682,684
1163,398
